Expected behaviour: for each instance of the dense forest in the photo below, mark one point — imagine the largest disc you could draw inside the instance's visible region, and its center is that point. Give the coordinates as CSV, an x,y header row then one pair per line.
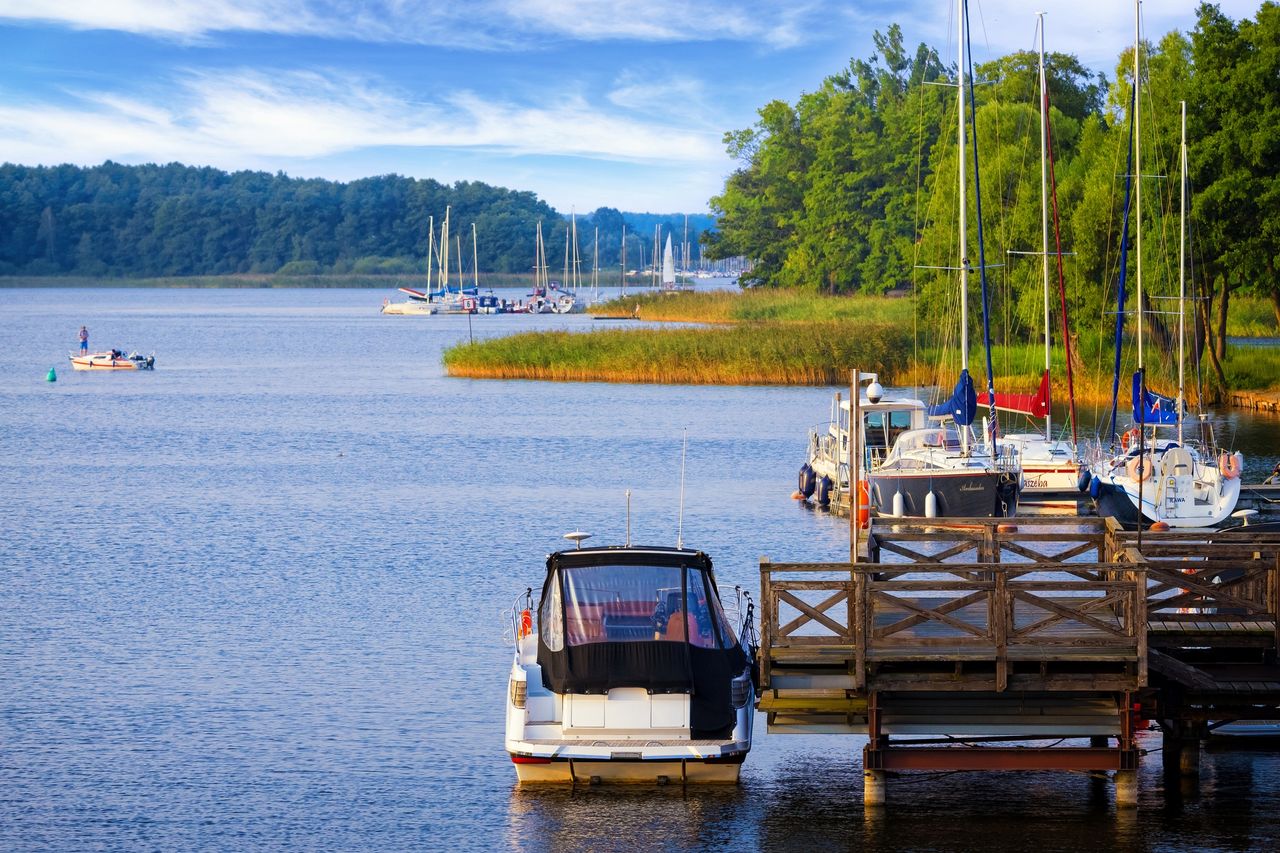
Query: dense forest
x,y
175,220
853,188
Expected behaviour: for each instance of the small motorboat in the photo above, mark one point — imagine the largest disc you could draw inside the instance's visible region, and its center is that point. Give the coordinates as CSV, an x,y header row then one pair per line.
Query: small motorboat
x,y
633,671
113,360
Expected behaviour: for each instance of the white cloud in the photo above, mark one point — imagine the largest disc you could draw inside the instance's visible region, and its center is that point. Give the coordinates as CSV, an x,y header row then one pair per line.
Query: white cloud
x,y
478,24
1094,30
251,120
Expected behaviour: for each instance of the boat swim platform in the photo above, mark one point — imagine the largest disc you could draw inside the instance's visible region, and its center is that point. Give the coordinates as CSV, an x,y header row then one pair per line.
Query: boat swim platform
x,y
986,630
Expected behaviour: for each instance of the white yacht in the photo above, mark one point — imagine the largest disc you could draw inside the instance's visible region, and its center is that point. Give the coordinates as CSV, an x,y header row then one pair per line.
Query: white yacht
x,y
916,463
632,672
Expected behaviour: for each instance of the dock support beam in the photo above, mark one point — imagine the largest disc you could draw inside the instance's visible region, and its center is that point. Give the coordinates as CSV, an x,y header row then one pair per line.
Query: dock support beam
x,y
873,788
1126,789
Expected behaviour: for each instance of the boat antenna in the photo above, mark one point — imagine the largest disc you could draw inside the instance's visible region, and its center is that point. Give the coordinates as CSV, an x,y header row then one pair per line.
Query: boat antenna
x,y
684,451
628,518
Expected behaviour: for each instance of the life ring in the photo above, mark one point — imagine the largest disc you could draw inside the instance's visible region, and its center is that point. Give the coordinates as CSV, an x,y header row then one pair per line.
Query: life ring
x,y
1129,437
1229,464
1140,472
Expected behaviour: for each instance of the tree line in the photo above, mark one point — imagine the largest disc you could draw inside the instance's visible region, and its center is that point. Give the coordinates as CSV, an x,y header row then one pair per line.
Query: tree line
x,y
853,188
175,220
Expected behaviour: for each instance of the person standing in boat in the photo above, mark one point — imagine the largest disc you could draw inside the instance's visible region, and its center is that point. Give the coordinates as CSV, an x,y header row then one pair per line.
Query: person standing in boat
x,y
84,339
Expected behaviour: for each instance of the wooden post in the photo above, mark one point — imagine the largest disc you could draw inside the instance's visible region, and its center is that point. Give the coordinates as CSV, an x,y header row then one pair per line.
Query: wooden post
x,y
862,616
766,622
1139,617
855,462
1000,612
1273,587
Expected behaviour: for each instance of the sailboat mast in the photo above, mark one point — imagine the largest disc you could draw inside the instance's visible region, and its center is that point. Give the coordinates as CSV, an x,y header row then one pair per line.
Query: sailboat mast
x,y
475,260
595,265
573,219
623,260
565,283
444,250
431,249
1182,269
1044,213
1137,161
962,9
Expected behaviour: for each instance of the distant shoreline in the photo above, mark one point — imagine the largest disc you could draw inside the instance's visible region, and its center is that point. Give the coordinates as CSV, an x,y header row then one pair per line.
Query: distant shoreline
x,y
496,281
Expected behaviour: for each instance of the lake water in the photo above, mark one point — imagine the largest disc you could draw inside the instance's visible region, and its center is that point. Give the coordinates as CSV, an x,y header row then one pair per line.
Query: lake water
x,y
252,599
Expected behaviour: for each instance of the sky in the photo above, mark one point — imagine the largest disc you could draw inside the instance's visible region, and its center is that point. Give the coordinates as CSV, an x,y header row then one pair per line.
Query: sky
x,y
588,103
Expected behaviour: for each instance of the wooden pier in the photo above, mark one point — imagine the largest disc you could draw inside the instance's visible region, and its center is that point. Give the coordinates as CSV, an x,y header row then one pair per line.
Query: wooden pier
x,y
968,631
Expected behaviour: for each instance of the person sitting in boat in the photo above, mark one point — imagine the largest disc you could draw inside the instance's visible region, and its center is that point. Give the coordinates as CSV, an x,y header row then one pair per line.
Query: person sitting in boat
x,y
115,353
694,626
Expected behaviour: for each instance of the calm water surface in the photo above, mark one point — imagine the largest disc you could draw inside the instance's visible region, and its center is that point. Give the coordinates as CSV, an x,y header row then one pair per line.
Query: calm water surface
x,y
252,599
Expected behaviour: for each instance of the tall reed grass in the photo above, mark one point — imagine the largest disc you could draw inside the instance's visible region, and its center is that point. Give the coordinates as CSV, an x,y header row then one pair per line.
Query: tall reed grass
x,y
747,354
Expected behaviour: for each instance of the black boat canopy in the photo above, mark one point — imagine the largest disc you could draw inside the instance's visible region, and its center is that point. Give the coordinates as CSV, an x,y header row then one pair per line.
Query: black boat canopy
x,y
639,617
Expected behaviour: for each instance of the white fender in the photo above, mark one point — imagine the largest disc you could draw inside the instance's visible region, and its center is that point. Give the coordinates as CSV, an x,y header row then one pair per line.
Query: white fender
x,y
931,505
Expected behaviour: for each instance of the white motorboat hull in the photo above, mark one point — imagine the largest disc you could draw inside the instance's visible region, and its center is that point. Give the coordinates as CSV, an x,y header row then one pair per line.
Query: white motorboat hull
x,y
410,308
106,361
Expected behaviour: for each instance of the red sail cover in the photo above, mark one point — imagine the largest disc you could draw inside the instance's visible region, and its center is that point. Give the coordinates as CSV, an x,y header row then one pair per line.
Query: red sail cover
x,y
1036,405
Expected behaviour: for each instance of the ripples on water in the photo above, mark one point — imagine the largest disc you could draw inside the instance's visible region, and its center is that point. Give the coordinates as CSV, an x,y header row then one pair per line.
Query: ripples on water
x,y
252,599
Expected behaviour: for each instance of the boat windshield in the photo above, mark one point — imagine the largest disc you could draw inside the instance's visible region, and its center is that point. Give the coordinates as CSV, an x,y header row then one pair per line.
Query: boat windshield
x,y
933,438
629,603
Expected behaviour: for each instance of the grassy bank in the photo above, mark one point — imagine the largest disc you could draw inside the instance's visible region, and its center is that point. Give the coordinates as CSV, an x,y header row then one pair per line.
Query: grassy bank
x,y
780,337
743,354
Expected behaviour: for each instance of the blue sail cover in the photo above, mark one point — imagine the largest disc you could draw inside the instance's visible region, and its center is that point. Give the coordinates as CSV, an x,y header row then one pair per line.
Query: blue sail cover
x,y
1152,408
962,405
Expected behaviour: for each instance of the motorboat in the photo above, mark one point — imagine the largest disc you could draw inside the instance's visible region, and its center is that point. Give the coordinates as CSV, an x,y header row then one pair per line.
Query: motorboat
x,y
917,461
632,672
113,360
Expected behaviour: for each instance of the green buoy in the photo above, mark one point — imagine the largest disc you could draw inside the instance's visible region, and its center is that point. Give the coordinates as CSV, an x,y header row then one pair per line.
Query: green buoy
x,y
53,375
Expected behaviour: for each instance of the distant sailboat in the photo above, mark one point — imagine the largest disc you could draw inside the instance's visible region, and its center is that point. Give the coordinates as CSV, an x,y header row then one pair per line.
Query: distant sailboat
x,y
668,267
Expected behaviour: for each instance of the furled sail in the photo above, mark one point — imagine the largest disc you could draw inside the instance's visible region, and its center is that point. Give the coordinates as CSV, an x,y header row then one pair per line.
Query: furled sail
x,y
1152,408
962,405
1036,405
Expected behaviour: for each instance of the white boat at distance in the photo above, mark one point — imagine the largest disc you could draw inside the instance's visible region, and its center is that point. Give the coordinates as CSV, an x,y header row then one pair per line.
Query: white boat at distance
x,y
632,672
113,360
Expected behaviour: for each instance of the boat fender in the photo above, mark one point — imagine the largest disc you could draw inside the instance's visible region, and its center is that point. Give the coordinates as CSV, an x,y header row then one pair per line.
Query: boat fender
x,y
1159,526
1229,464
808,482
1083,483
1139,468
899,505
931,505
1130,437
1095,487
824,491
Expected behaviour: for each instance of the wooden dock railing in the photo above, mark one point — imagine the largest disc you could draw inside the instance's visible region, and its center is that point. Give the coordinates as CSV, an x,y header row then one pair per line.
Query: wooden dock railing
x,y
917,626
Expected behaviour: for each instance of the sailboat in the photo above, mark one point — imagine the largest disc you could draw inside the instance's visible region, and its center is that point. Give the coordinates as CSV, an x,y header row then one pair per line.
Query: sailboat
x,y
668,268
1048,464
943,470
419,302
1159,475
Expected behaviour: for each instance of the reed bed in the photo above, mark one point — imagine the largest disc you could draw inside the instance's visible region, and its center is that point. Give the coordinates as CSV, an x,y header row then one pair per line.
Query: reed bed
x,y
778,306
819,353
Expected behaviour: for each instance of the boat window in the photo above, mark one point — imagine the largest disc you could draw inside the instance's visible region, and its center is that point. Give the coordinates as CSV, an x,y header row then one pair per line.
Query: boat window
x,y
727,638
551,618
610,604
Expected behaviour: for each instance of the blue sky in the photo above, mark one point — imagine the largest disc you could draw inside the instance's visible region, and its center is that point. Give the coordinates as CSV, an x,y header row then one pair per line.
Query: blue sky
x,y
585,102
